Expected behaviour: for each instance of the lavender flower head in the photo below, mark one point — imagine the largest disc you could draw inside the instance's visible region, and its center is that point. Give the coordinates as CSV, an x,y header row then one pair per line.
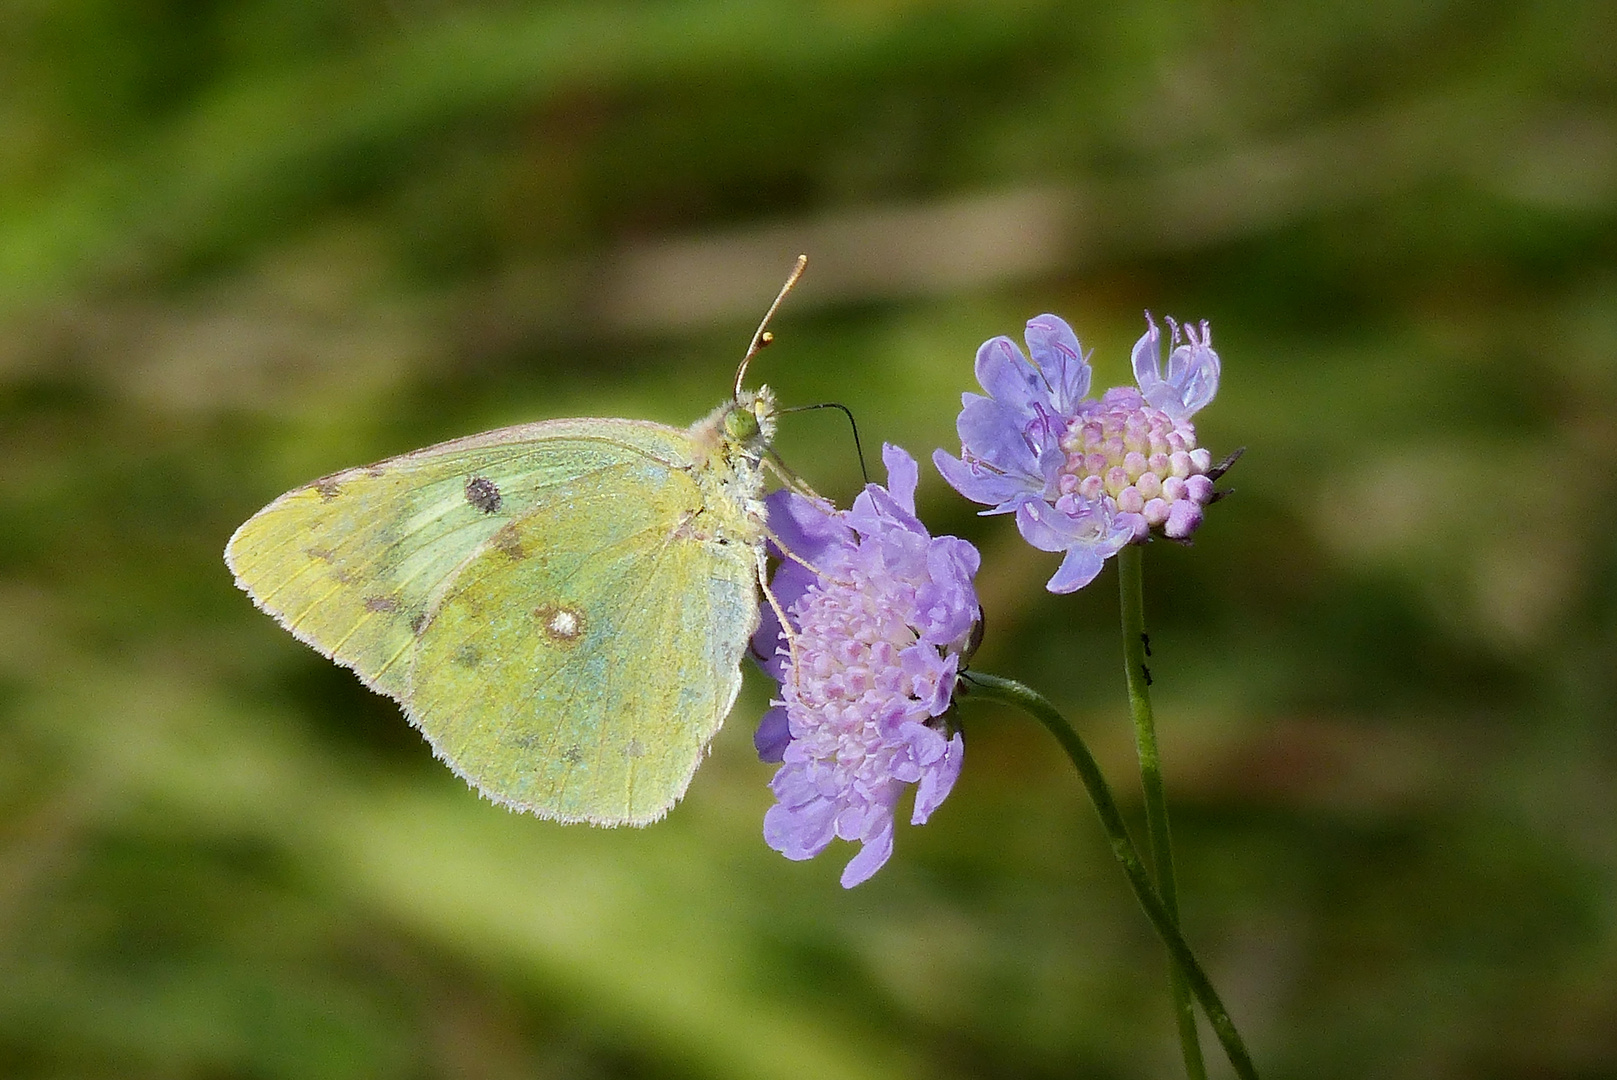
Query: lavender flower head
x,y
1087,476
868,672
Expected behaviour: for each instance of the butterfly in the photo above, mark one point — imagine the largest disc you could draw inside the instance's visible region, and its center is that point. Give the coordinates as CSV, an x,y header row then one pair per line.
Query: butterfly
x,y
560,607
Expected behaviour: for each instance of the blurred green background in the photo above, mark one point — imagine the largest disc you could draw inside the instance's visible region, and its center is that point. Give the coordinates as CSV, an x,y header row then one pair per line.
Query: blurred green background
x,y
243,244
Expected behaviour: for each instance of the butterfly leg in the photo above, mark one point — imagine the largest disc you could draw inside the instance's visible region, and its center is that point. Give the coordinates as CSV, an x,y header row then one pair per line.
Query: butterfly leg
x,y
788,553
780,613
787,476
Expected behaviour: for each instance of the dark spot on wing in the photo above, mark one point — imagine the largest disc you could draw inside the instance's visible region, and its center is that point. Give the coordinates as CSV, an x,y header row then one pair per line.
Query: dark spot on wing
x,y
327,487
481,493
418,623
573,755
635,749
527,740
323,554
342,576
509,541
467,656
374,471
381,605
562,625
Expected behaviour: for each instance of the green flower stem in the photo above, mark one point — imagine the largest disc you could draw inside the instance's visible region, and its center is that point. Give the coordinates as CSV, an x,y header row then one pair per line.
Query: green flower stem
x,y
1130,579
981,686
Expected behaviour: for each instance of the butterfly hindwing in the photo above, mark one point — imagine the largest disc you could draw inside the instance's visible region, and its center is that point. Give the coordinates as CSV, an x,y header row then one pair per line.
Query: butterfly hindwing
x,y
578,664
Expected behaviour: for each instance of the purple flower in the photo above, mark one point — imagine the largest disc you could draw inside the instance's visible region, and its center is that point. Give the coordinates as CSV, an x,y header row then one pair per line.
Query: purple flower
x,y
868,671
1083,476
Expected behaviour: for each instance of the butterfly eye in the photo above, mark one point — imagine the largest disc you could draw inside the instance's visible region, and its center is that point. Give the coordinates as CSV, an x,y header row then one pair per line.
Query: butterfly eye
x,y
741,425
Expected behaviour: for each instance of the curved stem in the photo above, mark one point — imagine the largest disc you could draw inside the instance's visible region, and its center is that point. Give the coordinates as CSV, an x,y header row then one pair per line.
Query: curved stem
x,y
982,686
1130,577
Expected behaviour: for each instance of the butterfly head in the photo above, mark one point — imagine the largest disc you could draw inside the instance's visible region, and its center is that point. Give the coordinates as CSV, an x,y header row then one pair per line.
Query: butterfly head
x,y
742,429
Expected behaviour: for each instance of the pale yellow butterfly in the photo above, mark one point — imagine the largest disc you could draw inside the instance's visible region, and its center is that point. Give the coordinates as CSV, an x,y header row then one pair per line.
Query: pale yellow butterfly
x,y
561,607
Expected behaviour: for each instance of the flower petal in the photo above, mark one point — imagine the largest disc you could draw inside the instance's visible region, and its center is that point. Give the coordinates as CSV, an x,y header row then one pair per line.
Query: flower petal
x,y
874,851
1193,369
1089,532
1077,570
998,436
800,833
805,526
1147,356
903,475
932,676
982,485
1005,373
876,512
1047,528
1054,347
1193,372
773,733
938,780
946,605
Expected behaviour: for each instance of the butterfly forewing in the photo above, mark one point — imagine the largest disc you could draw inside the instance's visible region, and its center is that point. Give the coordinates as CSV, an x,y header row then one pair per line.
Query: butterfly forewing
x,y
351,563
579,663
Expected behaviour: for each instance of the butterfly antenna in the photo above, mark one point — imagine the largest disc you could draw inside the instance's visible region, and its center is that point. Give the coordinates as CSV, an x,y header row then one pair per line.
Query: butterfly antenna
x,y
762,336
858,448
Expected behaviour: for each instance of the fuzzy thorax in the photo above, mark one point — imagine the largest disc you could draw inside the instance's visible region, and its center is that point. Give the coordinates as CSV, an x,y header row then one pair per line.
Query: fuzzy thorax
x,y
728,446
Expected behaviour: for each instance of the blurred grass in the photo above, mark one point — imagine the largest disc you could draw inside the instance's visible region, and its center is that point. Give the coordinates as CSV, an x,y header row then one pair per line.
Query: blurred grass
x,y
245,244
